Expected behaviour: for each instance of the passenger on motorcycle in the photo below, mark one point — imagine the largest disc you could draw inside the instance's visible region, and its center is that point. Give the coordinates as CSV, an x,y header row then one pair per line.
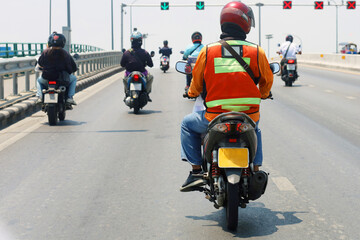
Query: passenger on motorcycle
x,y
136,59
288,49
165,50
225,86
54,60
193,50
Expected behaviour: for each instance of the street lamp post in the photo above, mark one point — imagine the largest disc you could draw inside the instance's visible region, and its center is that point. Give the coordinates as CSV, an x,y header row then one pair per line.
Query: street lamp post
x,y
122,25
145,35
50,18
337,22
112,25
259,5
268,37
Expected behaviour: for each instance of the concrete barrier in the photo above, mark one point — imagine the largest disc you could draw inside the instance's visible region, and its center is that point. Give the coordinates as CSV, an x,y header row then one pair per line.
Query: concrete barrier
x,y
339,61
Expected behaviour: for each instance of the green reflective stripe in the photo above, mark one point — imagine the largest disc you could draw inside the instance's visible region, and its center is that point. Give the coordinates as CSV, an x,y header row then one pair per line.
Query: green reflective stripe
x,y
235,108
233,101
234,42
229,65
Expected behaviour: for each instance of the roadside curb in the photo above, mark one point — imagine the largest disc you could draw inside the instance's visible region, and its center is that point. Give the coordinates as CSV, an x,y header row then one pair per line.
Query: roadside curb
x,y
27,107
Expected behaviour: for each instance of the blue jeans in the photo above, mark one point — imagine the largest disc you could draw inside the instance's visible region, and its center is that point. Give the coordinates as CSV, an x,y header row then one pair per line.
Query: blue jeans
x,y
195,124
42,84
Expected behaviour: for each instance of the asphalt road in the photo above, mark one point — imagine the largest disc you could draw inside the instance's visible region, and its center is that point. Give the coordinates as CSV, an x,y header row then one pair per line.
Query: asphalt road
x,y
106,173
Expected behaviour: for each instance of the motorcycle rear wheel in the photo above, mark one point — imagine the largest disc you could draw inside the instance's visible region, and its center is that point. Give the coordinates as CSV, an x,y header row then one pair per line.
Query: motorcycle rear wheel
x,y
136,110
232,205
52,115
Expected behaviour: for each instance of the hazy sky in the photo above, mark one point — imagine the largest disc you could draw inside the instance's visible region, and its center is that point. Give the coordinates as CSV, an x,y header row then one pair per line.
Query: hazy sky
x,y
28,21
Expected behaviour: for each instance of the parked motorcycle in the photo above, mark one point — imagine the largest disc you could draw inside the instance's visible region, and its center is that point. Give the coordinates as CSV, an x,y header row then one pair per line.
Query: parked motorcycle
x,y
164,63
54,103
289,74
137,97
229,149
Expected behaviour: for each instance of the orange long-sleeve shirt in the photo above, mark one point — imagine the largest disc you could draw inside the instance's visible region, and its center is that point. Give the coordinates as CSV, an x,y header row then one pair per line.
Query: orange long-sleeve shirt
x,y
265,81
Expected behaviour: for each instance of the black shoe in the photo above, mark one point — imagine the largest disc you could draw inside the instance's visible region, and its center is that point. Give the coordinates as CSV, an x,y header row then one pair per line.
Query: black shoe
x,y
149,99
193,182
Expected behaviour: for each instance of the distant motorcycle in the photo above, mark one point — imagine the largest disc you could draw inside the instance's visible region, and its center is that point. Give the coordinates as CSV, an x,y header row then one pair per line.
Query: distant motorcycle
x,y
229,149
289,74
137,97
164,63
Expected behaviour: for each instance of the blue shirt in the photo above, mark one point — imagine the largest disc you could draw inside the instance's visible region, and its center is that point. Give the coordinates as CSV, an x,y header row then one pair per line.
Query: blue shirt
x,y
189,52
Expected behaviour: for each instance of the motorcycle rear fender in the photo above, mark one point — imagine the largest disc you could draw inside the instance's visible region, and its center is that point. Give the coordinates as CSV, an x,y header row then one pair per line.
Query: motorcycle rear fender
x,y
233,175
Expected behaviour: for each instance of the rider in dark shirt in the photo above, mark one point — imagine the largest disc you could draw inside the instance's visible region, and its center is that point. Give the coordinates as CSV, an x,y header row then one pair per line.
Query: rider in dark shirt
x,y
136,59
166,51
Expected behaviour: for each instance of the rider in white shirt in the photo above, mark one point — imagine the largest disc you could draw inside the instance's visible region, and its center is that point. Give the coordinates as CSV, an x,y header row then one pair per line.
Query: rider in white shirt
x,y
288,50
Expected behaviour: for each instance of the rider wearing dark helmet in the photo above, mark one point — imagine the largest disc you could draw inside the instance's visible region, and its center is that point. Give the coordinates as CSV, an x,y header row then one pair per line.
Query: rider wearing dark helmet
x,y
225,86
136,59
54,60
192,51
165,50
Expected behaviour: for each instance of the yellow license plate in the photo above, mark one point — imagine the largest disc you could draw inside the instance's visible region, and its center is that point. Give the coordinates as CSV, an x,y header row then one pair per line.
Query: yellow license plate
x,y
233,158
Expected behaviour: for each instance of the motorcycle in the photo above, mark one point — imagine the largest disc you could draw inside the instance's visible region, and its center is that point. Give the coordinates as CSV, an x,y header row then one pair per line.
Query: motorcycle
x,y
137,96
190,63
289,74
164,63
54,103
229,148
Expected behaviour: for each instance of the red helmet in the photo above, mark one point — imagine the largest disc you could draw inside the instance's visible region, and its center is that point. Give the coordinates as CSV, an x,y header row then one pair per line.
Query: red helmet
x,y
237,14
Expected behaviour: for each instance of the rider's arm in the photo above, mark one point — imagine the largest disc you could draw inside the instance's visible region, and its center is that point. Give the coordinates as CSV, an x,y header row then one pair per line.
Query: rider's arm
x,y
196,85
149,61
266,75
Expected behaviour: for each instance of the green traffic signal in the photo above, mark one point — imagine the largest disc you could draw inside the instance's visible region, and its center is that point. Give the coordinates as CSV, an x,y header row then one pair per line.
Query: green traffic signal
x,y
164,5
200,5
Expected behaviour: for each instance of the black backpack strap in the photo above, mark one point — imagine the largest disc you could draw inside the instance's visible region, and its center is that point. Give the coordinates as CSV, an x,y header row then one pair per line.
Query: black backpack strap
x,y
240,60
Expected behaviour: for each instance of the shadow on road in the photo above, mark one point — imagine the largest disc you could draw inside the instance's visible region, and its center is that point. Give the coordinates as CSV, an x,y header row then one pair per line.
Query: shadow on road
x,y
255,220
145,112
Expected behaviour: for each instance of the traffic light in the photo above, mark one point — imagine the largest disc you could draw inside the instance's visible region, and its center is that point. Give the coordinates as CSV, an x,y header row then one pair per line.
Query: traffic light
x,y
351,5
164,5
319,4
200,5
287,4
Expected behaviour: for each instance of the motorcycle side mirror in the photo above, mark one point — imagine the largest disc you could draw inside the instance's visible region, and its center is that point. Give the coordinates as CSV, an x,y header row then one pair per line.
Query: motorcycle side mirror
x,y
182,52
152,53
275,67
183,67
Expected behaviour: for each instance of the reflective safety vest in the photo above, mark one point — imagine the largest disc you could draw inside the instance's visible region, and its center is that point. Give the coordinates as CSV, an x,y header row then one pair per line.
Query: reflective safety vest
x,y
228,86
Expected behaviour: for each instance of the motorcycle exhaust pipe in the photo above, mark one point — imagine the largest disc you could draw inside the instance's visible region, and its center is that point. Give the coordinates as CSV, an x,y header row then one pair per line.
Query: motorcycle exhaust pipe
x,y
62,88
257,185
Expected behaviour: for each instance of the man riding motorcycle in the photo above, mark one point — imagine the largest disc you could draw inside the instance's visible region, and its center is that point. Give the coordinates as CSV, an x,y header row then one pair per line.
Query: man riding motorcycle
x,y
165,50
288,49
193,50
136,59
225,86
54,60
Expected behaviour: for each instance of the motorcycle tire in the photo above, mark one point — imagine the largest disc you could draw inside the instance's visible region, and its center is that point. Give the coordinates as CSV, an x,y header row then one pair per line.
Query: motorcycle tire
x,y
62,116
52,115
136,110
288,83
232,205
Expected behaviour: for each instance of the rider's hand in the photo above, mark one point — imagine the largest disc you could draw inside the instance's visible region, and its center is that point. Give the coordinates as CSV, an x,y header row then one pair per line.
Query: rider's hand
x,y
268,97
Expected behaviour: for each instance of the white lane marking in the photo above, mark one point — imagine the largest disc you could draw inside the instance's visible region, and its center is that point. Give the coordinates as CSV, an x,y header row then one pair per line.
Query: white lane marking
x,y
17,137
351,97
283,184
328,91
83,95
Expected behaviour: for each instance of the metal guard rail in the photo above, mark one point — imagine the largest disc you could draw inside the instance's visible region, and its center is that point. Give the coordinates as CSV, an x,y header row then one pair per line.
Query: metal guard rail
x,y
16,67
9,50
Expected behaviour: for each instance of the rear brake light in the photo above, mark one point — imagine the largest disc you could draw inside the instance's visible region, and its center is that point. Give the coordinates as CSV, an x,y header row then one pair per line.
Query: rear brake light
x,y
232,140
223,127
291,61
136,78
52,82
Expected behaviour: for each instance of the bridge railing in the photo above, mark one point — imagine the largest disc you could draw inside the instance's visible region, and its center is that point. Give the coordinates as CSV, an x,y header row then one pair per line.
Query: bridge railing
x,y
9,50
16,70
